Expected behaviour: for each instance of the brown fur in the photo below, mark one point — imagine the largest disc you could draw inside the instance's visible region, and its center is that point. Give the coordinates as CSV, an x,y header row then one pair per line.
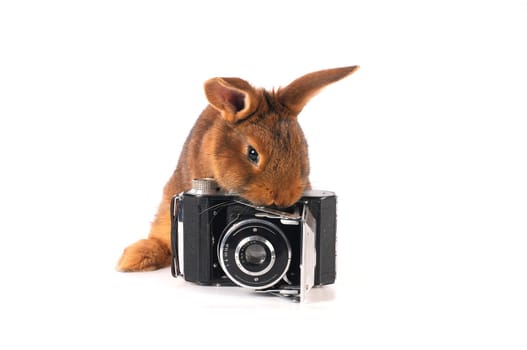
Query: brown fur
x,y
237,117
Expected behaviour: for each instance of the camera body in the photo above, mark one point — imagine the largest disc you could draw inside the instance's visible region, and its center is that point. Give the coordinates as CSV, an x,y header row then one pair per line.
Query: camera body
x,y
221,239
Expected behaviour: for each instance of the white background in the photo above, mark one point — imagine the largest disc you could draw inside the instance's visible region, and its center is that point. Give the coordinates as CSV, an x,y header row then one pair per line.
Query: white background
x,y
425,146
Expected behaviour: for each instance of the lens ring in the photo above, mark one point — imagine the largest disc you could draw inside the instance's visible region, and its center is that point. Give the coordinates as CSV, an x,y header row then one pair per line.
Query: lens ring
x,y
244,243
246,230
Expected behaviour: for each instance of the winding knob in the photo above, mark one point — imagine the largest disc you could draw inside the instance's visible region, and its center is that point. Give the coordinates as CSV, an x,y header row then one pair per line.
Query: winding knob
x,y
205,186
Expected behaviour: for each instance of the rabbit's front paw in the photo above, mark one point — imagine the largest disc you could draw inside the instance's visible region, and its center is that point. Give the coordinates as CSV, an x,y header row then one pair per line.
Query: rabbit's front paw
x,y
144,255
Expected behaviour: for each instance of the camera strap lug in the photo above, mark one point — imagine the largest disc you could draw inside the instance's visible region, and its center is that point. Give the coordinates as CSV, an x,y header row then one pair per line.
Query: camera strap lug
x,y
175,213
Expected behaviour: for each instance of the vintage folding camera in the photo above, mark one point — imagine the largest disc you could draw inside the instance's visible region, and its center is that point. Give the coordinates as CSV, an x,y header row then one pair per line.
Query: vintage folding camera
x,y
221,239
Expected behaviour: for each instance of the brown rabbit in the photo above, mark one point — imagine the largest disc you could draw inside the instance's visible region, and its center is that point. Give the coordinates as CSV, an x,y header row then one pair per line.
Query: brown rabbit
x,y
250,142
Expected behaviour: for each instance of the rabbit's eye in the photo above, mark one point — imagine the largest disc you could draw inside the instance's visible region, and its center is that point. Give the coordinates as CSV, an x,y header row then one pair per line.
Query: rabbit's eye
x,y
252,155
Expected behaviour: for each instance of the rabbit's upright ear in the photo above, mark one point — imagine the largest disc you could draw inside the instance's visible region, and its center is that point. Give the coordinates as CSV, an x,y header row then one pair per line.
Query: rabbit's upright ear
x,y
295,95
234,98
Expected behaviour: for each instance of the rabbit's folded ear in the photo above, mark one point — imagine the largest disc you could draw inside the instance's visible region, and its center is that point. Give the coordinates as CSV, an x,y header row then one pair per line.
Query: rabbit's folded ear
x,y
234,98
295,95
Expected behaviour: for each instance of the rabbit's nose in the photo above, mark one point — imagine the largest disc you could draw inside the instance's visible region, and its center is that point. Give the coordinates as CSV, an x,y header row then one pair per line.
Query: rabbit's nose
x,y
286,198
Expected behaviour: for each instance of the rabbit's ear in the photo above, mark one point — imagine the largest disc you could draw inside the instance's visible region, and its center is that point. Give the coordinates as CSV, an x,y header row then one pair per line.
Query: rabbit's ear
x,y
234,98
295,95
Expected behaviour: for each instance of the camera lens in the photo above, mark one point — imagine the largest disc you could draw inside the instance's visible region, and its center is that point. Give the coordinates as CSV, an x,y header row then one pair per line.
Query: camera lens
x,y
254,253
